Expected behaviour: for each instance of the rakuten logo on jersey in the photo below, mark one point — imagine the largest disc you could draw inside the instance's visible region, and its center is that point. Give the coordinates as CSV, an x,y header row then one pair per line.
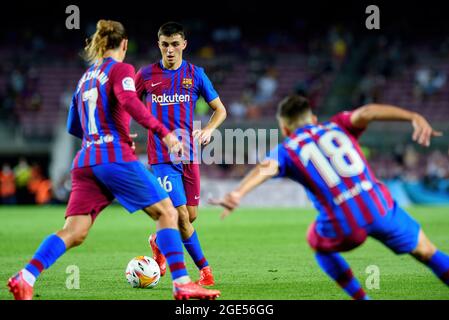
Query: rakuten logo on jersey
x,y
165,99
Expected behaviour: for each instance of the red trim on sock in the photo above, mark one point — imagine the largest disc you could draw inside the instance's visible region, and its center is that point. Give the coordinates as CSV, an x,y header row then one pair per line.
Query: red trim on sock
x,y
201,262
177,266
445,276
345,278
359,295
37,264
173,253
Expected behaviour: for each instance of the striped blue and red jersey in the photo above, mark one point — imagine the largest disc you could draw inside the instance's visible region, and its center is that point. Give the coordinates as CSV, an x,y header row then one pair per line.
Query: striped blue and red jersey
x,y
101,111
327,160
171,96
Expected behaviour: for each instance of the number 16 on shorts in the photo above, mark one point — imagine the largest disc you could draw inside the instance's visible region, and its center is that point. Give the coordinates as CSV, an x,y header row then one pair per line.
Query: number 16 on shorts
x,y
165,183
170,177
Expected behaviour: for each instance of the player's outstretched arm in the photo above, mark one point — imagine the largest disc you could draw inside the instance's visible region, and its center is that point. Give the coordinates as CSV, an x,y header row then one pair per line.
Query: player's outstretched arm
x,y
141,115
125,92
261,173
422,130
204,136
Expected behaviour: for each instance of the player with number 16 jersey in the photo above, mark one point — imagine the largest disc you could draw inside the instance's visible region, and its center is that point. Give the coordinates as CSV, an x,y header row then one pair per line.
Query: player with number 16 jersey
x,y
171,88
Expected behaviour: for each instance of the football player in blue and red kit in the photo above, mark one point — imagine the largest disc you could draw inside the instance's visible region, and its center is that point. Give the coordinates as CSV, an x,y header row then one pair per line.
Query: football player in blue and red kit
x,y
106,167
171,88
351,203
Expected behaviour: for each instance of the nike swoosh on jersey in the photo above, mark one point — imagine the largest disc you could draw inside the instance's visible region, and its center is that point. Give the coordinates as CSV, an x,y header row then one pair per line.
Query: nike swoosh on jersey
x,y
155,84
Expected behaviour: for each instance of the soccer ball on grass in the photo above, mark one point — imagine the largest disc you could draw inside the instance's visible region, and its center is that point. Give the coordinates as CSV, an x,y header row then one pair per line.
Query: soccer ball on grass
x,y
143,272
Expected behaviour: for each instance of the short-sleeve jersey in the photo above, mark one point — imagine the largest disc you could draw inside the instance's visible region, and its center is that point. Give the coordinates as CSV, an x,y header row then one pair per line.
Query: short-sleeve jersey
x,y
171,96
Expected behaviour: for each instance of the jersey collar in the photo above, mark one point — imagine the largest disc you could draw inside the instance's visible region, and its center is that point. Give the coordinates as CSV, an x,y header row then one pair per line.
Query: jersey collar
x,y
161,65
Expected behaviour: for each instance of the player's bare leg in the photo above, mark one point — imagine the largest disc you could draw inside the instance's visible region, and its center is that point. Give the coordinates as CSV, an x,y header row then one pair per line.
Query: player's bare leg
x,y
424,249
163,212
75,230
193,213
185,226
170,245
427,253
73,233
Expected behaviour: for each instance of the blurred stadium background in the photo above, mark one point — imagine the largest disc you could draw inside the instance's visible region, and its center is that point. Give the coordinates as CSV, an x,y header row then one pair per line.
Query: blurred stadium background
x,y
254,56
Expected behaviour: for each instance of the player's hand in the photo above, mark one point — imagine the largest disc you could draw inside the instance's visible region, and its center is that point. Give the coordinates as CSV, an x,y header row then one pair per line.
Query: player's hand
x,y
229,203
422,130
173,144
132,136
204,136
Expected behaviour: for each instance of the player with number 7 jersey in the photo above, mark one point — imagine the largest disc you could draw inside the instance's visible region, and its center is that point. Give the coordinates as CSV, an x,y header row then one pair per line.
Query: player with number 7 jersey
x,y
106,166
352,203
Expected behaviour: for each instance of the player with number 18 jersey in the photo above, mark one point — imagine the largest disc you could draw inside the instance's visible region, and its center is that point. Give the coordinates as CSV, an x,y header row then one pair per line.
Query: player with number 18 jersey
x,y
352,204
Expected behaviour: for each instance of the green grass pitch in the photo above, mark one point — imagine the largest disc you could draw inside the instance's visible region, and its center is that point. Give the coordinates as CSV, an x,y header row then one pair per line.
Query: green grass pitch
x,y
254,253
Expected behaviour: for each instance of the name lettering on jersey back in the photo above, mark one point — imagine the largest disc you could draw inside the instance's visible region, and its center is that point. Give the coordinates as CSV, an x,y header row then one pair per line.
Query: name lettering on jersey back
x,y
97,74
354,191
102,139
166,99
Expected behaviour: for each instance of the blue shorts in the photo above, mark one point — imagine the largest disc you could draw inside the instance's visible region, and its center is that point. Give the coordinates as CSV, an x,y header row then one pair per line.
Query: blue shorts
x,y
170,177
397,230
134,187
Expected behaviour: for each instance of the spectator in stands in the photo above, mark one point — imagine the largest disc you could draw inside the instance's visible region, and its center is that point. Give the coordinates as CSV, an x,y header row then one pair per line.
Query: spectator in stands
x,y
65,98
339,50
411,160
422,79
7,185
254,111
39,186
8,113
312,87
266,86
438,80
230,34
338,41
206,52
35,179
202,111
428,82
17,82
437,172
370,88
34,102
238,108
43,193
64,186
22,172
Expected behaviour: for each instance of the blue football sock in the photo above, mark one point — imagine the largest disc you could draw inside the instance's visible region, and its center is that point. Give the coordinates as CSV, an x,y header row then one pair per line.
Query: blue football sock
x,y
48,252
338,269
193,247
170,244
439,263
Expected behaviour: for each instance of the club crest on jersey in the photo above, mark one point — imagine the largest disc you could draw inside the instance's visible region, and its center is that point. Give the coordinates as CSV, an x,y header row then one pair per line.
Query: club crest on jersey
x,y
187,83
